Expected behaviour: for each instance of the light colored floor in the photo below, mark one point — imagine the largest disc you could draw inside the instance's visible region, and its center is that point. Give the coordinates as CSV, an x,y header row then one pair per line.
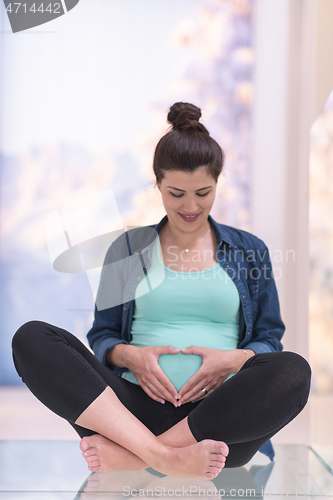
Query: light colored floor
x,y
49,466
36,469
22,416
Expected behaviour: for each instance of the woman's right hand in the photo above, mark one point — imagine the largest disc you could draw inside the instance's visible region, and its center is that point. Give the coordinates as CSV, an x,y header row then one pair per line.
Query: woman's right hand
x,y
143,363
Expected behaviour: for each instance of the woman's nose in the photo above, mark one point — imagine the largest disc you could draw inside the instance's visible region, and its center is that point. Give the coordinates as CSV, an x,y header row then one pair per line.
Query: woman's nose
x,y
190,206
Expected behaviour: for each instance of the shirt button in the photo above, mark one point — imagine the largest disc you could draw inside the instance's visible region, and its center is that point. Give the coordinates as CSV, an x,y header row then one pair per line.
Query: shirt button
x,y
139,278
244,297
124,308
227,266
248,333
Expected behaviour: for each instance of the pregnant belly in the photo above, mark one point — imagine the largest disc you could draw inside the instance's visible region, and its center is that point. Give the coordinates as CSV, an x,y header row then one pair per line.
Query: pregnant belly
x,y
179,368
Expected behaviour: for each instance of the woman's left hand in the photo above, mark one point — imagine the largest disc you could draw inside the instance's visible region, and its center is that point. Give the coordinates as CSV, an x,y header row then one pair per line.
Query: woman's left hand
x,y
215,369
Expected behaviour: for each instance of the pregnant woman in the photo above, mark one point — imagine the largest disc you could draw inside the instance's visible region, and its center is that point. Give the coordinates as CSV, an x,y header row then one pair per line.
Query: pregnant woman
x,y
188,376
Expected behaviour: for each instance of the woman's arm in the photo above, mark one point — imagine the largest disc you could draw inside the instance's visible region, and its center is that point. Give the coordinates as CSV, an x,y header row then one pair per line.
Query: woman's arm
x,y
106,331
268,327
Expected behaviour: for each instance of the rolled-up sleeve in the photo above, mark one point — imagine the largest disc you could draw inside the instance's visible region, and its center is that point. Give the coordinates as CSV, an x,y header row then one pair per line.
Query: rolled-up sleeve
x,y
106,331
268,327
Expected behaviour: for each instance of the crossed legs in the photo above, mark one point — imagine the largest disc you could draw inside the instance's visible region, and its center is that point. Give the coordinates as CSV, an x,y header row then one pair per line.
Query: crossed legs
x,y
135,432
103,454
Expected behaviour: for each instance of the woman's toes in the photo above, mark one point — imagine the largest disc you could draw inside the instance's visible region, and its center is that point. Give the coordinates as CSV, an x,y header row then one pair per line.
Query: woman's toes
x,y
94,463
211,475
84,445
89,453
219,448
215,470
224,449
219,463
95,469
92,458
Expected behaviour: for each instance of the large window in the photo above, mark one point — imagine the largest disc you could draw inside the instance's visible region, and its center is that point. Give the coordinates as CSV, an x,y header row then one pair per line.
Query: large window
x,y
84,101
321,250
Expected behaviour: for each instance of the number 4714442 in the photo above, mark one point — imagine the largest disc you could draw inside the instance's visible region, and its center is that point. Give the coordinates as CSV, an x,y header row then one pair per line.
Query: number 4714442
x,y
14,7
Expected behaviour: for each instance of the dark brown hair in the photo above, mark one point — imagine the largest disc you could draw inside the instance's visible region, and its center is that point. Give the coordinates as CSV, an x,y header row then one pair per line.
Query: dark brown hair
x,y
188,145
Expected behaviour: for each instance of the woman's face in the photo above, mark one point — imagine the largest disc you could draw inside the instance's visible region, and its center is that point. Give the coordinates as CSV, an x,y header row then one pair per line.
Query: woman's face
x,y
187,198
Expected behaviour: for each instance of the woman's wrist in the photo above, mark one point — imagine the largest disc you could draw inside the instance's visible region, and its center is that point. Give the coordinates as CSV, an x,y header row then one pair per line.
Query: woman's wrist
x,y
243,356
119,355
248,353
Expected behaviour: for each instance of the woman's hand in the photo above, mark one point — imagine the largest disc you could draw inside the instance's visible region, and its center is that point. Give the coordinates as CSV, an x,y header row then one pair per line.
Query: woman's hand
x,y
215,369
143,363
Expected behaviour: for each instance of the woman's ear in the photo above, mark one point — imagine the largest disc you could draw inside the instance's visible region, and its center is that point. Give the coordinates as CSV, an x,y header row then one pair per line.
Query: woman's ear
x,y
158,185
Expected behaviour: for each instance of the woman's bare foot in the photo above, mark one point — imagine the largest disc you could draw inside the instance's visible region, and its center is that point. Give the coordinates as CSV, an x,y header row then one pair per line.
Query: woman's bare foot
x,y
201,460
102,455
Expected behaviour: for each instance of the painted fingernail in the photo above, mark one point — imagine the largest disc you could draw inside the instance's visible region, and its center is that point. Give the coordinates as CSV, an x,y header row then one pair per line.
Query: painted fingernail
x,y
162,401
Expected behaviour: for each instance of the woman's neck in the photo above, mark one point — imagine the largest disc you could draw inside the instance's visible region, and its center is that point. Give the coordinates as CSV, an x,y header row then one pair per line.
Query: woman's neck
x,y
184,239
190,252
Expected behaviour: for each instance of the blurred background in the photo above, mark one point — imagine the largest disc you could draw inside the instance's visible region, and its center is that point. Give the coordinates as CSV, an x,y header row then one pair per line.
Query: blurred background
x,y
83,102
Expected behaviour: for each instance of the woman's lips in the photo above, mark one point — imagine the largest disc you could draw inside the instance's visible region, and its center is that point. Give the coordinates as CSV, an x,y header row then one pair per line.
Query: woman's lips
x,y
189,218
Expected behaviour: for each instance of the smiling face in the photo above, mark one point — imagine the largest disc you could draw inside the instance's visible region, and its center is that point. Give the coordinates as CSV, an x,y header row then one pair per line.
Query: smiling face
x,y
187,198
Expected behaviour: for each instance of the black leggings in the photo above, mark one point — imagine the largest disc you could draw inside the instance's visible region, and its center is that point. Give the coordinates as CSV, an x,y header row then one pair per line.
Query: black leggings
x,y
244,412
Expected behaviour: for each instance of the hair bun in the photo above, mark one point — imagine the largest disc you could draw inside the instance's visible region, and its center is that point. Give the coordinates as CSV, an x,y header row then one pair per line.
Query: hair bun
x,y
185,116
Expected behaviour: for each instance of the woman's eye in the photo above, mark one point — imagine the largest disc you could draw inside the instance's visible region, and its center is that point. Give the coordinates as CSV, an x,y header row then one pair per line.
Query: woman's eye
x,y
180,195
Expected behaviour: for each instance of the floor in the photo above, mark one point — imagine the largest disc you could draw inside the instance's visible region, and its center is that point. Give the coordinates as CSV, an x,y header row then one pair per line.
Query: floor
x,y
40,459
53,470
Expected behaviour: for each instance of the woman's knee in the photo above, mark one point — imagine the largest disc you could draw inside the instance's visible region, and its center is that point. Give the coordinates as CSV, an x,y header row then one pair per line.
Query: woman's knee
x,y
286,371
294,375
289,365
21,342
297,368
28,337
23,333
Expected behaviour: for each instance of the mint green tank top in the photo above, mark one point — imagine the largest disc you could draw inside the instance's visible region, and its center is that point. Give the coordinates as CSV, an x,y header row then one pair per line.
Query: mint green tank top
x,y
198,308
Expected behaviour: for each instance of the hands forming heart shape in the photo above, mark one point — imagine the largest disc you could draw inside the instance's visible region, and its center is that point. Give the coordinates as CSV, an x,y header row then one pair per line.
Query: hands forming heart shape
x,y
216,367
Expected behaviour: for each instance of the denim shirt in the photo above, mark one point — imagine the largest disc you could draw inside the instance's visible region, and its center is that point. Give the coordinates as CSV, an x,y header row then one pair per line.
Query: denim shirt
x,y
242,255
